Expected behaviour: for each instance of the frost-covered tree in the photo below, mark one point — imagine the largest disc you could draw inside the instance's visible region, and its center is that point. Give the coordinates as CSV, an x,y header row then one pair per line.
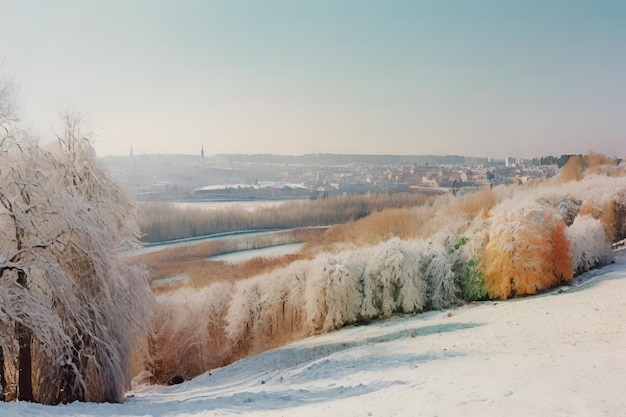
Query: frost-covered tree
x,y
439,264
589,245
190,331
71,303
392,281
343,288
380,280
513,261
244,312
528,251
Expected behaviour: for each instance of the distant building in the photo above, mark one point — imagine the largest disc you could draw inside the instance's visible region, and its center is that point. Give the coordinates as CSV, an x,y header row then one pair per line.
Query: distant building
x,y
430,180
509,162
202,153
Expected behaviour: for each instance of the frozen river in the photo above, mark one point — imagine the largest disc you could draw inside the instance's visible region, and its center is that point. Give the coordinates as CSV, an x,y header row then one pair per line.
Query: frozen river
x,y
269,252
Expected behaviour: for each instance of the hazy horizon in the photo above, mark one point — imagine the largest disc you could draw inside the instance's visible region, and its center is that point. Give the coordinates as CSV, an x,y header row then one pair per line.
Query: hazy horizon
x,y
299,155
481,78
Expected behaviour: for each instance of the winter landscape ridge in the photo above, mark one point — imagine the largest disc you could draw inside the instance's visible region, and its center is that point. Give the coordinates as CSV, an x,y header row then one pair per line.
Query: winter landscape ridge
x,y
312,208
558,354
80,319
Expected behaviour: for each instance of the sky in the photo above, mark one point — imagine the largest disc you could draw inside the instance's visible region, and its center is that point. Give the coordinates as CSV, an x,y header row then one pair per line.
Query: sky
x,y
479,78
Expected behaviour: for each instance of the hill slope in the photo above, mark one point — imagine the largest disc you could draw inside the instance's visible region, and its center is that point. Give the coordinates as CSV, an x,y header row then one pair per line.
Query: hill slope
x,y
560,354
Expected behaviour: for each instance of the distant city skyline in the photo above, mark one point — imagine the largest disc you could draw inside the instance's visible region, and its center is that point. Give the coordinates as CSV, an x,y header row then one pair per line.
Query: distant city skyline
x,y
478,78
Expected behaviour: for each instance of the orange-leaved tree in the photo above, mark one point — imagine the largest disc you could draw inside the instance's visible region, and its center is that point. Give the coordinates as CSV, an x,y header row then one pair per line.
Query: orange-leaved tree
x,y
527,251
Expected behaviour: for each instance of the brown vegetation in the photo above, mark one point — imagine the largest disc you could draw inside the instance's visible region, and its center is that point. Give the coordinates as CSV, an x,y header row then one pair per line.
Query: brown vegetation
x,y
572,170
611,214
189,332
526,254
190,259
591,163
408,223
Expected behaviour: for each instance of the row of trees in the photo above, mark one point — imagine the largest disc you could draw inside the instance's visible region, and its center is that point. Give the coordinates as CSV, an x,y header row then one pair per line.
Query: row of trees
x,y
161,221
71,305
559,161
524,240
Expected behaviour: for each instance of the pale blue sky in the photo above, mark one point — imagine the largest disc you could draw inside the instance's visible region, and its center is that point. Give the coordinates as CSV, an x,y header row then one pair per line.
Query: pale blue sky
x,y
474,77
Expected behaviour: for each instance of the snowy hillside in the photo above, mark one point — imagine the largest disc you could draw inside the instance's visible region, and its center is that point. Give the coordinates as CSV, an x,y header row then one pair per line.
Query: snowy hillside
x,y
559,354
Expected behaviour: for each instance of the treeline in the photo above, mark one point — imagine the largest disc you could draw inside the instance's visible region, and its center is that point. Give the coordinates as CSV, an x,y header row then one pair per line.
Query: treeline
x,y
328,159
559,161
591,159
504,242
161,221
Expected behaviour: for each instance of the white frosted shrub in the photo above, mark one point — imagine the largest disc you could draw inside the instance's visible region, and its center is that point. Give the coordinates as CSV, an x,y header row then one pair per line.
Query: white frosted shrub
x,y
411,297
343,290
333,290
244,311
297,274
215,300
189,329
589,246
391,281
275,296
380,281
174,332
258,313
315,308
438,263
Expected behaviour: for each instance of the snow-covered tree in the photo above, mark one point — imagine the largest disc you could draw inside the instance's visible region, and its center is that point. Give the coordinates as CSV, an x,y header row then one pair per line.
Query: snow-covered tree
x,y
392,281
512,264
190,331
438,269
589,246
343,289
71,303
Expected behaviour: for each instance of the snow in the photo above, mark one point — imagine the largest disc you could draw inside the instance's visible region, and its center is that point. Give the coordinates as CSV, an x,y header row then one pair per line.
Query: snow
x,y
261,185
177,243
559,354
249,206
267,252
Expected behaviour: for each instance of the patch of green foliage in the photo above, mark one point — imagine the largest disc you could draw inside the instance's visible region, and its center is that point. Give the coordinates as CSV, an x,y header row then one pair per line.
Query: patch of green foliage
x,y
474,288
471,278
459,243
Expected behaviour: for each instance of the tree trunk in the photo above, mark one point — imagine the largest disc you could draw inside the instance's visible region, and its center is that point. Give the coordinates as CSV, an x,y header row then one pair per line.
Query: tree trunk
x,y
71,388
2,380
25,356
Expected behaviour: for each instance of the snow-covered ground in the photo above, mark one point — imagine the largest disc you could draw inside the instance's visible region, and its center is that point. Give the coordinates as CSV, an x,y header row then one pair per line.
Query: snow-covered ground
x,y
559,354
268,252
247,206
